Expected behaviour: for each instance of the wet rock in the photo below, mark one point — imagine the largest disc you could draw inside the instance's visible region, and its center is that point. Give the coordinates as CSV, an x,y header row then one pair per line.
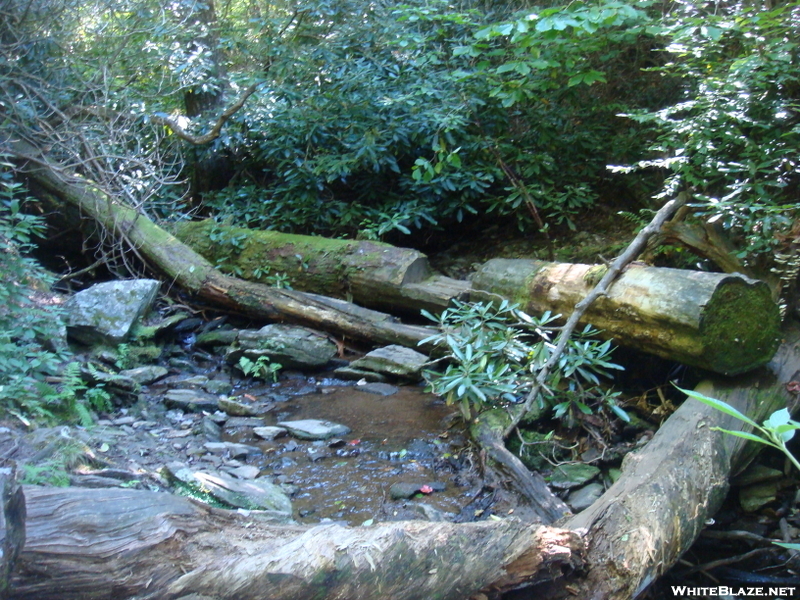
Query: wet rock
x,y
380,389
394,360
288,345
94,481
106,312
236,409
359,374
566,477
314,429
212,431
145,375
218,387
403,490
753,497
269,433
233,449
243,422
584,497
756,473
191,400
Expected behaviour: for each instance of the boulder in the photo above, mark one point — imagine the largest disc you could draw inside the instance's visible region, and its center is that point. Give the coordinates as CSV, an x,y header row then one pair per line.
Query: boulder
x,y
106,312
145,375
288,345
191,400
394,360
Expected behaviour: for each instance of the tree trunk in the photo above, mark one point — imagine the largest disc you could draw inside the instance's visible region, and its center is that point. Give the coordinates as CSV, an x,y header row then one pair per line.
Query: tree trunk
x,y
371,273
728,324
116,544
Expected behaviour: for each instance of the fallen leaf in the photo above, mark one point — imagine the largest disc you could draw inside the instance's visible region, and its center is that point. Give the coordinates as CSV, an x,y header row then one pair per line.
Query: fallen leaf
x,y
426,489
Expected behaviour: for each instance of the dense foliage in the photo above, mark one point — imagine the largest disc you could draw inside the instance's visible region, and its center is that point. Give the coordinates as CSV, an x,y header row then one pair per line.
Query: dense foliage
x,y
395,121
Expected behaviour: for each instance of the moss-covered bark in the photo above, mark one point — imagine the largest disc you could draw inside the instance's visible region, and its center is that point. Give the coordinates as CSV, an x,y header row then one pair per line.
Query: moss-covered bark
x,y
724,323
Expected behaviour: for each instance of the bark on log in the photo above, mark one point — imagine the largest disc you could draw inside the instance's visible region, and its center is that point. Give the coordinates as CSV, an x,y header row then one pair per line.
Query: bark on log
x,y
371,273
669,489
728,324
116,544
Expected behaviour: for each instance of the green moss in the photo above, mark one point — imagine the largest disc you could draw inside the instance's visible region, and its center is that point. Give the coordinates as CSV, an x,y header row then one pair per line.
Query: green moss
x,y
594,275
741,326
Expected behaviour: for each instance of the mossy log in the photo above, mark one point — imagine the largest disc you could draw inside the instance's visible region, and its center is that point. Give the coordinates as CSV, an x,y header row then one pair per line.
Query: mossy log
x,y
117,544
725,323
371,273
184,268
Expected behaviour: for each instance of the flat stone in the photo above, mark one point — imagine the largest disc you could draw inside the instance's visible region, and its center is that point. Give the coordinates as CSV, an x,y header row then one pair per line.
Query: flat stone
x,y
289,345
191,400
236,409
395,360
212,430
240,422
232,448
106,312
314,429
379,389
145,375
358,374
584,497
566,477
269,433
219,337
245,472
182,382
756,474
753,497
257,494
218,386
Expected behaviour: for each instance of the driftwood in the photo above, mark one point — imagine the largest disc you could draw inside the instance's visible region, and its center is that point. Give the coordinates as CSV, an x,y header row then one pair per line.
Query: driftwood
x,y
371,273
116,544
728,324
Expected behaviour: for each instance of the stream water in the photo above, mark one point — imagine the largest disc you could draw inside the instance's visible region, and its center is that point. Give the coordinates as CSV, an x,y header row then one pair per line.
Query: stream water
x,y
403,438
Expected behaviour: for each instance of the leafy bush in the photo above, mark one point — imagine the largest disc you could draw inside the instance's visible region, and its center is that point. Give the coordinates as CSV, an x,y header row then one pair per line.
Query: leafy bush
x,y
27,327
494,351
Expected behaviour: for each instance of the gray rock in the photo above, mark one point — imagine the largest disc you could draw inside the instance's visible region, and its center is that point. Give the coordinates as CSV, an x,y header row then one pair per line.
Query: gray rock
x,y
314,429
212,430
566,477
181,382
379,389
289,345
269,433
584,497
428,512
191,400
236,409
145,375
245,472
106,312
403,490
232,448
218,386
219,337
240,422
398,361
357,374
258,494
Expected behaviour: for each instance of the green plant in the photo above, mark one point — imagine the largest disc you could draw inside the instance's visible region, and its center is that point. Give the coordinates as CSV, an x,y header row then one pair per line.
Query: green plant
x,y
262,368
775,432
494,351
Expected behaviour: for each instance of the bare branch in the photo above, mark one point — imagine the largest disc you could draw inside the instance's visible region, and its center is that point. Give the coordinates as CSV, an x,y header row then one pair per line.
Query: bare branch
x,y
199,140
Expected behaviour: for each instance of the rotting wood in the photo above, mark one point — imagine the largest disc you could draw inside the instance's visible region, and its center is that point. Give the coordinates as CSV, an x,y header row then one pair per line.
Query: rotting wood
x,y
118,544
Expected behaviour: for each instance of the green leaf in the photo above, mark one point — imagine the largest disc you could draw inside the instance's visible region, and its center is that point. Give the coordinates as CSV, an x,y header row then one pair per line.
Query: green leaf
x,y
720,406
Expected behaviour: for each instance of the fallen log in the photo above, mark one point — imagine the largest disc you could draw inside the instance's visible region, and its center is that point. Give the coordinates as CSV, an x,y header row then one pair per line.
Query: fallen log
x,y
183,267
728,324
116,544
371,273
669,490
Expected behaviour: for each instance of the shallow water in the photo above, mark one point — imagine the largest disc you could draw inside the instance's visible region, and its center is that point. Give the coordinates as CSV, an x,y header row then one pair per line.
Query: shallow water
x,y
397,438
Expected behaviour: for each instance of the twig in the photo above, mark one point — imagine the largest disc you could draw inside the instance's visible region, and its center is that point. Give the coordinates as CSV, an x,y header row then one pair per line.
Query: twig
x,y
601,289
